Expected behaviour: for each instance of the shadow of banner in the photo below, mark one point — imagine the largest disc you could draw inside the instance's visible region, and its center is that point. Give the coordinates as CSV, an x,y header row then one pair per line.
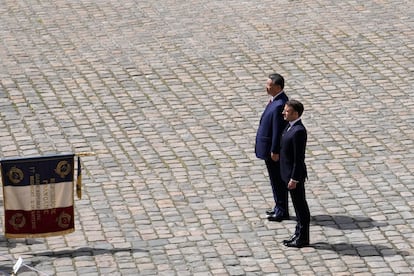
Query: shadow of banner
x,y
85,251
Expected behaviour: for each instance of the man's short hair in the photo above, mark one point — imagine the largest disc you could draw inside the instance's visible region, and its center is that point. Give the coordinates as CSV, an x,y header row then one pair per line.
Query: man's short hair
x,y
296,105
277,79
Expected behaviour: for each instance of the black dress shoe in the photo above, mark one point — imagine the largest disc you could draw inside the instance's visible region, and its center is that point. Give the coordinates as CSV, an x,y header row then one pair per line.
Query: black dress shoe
x,y
297,243
277,218
294,237
270,212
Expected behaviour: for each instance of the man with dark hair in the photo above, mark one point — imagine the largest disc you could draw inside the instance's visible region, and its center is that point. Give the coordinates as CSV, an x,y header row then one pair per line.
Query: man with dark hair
x,y
267,145
293,170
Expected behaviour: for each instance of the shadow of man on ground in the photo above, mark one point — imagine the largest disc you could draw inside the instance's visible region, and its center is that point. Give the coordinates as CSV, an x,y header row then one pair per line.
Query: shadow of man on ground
x,y
346,222
361,250
341,222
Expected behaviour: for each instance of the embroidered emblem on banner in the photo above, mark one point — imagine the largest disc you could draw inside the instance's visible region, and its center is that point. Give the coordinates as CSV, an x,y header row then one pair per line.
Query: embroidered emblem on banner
x,y
64,220
17,221
15,175
63,168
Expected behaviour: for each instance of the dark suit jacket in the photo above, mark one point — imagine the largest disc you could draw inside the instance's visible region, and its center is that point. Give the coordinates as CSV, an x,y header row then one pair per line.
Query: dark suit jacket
x,y
270,128
292,153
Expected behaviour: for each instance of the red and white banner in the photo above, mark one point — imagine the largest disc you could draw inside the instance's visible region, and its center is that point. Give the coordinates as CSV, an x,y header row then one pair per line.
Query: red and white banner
x,y
38,195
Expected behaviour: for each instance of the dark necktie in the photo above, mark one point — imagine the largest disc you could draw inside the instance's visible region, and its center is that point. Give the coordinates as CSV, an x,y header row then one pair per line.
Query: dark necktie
x,y
288,127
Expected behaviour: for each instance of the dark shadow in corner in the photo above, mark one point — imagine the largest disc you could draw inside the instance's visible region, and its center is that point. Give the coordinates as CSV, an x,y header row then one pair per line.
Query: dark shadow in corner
x,y
345,222
361,250
85,251
6,269
67,253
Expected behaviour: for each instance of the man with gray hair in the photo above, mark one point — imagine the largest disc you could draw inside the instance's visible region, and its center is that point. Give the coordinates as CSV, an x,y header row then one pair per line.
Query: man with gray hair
x,y
267,145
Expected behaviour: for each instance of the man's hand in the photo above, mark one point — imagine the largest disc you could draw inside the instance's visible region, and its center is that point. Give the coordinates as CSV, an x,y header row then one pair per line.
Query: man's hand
x,y
292,184
274,156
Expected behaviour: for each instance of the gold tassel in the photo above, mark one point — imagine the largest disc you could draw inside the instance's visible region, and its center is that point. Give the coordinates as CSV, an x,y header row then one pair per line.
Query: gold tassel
x,y
79,180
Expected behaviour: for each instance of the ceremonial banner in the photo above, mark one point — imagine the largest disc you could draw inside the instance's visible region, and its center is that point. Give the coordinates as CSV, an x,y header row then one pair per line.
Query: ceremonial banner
x,y
38,196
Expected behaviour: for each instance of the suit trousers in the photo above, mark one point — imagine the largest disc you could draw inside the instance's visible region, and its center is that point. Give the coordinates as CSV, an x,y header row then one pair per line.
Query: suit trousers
x,y
280,191
300,204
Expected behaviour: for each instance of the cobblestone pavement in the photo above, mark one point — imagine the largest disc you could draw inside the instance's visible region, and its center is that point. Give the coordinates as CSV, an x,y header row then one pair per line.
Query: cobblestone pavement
x,y
168,95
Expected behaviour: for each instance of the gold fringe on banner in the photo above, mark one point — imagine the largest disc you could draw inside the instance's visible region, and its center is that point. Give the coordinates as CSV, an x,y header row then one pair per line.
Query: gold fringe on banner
x,y
85,153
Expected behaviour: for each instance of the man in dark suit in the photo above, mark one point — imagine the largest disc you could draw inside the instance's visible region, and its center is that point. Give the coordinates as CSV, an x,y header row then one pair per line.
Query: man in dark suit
x,y
268,144
293,170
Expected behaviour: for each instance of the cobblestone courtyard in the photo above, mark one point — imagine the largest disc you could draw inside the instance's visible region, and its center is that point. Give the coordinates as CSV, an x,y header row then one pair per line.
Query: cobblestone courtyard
x,y
168,95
